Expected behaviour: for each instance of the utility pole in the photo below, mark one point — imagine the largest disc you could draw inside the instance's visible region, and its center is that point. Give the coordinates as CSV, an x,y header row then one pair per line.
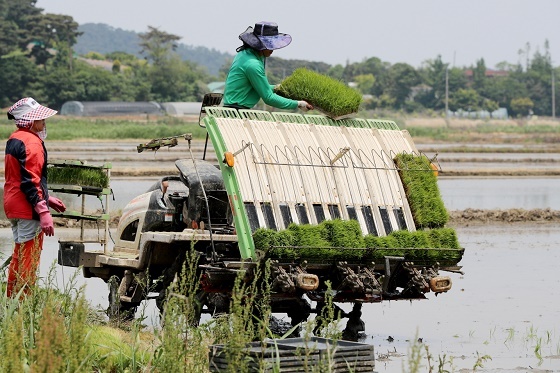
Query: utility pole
x,y
447,90
553,97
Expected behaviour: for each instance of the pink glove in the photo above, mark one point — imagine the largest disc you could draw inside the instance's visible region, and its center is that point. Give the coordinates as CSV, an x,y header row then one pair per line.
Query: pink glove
x,y
56,204
45,218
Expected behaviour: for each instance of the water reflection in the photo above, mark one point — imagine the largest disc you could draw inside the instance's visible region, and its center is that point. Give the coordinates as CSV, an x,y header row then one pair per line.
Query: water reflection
x,y
500,193
457,193
505,269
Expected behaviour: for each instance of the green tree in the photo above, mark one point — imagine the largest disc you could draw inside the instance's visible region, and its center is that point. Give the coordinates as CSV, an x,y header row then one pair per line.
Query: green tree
x,y
59,86
479,76
116,67
401,78
521,106
17,77
465,99
123,57
95,56
8,33
489,105
51,31
365,82
373,66
538,80
336,72
16,18
93,83
171,78
157,45
503,89
433,74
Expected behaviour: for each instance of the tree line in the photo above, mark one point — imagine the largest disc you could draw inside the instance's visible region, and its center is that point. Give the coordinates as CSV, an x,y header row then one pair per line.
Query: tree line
x,y
37,59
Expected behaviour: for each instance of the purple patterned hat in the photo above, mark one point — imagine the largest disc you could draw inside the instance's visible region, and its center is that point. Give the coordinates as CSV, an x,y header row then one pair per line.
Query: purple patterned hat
x,y
265,35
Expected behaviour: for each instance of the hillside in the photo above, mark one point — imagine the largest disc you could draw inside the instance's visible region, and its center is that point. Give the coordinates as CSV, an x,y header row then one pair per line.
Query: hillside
x,y
102,38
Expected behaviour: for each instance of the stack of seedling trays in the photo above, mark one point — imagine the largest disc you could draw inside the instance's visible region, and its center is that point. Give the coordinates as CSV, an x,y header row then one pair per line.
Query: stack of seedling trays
x,y
329,96
338,240
313,354
78,178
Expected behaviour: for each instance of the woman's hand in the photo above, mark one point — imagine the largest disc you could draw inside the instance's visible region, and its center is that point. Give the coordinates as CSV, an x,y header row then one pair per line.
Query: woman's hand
x,y
56,204
304,105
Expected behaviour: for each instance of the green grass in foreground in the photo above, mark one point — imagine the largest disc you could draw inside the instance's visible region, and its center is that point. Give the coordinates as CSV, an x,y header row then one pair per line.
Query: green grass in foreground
x,y
56,330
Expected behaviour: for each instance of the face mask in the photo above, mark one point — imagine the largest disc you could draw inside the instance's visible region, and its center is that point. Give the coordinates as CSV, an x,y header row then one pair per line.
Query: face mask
x,y
43,134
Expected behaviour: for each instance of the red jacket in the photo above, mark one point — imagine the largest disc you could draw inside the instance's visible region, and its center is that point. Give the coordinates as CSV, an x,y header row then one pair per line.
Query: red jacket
x,y
25,168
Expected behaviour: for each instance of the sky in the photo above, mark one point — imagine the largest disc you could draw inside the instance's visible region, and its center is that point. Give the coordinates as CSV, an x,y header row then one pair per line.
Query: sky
x,y
341,31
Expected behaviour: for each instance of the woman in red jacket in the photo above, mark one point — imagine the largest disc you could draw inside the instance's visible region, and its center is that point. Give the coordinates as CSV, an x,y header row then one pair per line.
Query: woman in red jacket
x,y
26,197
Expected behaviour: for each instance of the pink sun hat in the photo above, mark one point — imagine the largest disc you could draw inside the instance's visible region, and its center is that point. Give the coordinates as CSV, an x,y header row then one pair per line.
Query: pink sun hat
x,y
27,110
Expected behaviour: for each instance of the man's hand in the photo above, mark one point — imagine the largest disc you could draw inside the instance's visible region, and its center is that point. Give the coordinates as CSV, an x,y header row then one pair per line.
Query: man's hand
x,y
47,225
304,105
56,204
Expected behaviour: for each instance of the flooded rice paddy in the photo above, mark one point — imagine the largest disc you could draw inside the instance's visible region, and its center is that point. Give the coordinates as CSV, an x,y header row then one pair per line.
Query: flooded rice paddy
x,y
457,193
505,306
502,313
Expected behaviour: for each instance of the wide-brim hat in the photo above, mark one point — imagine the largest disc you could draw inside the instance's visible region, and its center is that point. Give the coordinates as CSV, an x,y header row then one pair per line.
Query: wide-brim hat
x,y
28,110
265,35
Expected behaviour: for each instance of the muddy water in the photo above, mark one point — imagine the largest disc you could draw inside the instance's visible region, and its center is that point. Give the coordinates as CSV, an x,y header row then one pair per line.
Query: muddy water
x,y
504,306
457,193
500,193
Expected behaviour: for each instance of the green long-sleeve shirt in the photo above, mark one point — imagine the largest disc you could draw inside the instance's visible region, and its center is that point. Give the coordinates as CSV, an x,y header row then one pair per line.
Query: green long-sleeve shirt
x,y
247,83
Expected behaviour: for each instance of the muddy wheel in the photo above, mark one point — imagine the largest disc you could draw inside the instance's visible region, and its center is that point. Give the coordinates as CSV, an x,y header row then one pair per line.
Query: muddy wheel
x,y
355,325
118,310
167,279
299,311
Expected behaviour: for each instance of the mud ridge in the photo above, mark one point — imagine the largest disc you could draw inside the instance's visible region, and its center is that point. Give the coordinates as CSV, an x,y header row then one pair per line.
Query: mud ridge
x,y
460,217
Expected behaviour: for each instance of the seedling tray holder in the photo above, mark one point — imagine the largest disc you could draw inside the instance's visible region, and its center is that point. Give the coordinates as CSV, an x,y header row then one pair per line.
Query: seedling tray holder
x,y
73,187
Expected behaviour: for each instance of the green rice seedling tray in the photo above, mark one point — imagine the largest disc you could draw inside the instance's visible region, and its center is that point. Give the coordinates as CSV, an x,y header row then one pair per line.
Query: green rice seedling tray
x,y
329,96
335,240
422,192
77,189
71,174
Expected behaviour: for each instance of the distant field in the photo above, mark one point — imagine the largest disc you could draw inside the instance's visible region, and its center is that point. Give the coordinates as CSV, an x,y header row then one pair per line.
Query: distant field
x,y
423,129
65,128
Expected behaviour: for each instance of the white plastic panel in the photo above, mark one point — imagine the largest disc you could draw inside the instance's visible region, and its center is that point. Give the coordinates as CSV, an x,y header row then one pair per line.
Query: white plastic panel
x,y
290,164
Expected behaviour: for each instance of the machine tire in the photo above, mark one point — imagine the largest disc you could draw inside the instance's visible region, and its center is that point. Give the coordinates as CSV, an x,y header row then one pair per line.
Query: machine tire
x,y
117,310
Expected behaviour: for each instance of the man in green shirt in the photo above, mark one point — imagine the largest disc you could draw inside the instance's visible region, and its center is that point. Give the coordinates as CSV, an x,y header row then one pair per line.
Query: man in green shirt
x,y
246,82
